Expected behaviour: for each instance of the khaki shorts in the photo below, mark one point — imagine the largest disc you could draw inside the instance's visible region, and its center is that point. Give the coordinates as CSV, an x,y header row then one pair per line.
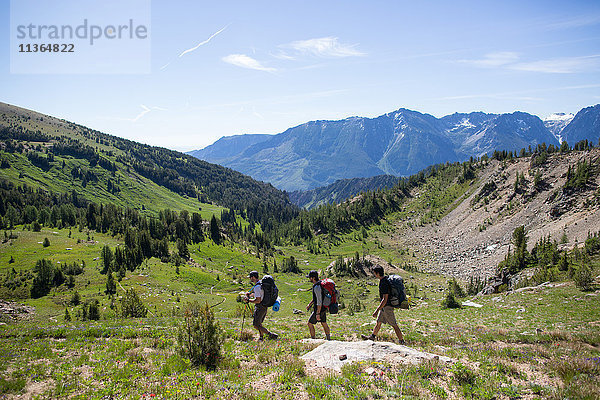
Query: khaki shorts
x,y
260,312
387,316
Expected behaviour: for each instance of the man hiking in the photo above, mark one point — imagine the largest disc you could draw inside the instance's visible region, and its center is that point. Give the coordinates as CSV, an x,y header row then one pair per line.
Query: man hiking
x,y
385,310
319,312
256,296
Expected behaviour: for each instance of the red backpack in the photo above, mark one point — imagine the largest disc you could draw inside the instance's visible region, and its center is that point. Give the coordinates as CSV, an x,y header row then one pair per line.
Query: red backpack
x,y
330,291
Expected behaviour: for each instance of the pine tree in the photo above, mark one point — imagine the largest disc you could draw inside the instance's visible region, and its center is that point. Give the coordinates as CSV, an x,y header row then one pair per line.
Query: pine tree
x,y
111,286
215,234
67,315
107,259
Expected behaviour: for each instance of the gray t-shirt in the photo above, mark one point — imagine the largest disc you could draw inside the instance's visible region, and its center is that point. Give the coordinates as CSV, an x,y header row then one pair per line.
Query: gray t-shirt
x,y
258,291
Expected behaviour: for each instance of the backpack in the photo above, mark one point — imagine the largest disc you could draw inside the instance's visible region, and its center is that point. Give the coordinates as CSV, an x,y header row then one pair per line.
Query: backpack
x,y
398,294
330,295
270,291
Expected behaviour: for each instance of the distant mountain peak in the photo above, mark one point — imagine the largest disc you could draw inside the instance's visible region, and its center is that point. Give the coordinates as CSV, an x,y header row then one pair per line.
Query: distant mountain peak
x,y
400,142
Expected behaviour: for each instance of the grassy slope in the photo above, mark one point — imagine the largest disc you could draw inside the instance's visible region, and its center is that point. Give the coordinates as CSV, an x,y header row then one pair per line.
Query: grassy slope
x,y
538,344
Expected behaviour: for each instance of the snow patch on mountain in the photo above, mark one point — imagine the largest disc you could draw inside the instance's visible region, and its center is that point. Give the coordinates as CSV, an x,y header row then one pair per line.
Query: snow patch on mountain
x,y
557,122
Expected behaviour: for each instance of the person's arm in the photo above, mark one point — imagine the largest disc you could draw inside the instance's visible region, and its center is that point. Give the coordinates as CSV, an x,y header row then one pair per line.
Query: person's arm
x,y
309,305
319,296
381,305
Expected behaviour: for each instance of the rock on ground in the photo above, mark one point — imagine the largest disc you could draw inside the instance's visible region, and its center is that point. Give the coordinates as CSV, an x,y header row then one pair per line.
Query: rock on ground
x,y
327,355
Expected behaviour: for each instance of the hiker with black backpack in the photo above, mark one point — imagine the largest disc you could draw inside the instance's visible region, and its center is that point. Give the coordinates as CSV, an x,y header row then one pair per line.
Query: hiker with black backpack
x,y
319,294
389,293
263,295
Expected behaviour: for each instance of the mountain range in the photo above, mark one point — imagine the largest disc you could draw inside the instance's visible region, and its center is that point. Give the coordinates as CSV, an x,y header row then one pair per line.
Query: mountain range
x,y
399,143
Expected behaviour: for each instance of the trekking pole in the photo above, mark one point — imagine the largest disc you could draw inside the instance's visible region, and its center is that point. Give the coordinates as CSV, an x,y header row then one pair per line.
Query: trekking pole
x,y
243,317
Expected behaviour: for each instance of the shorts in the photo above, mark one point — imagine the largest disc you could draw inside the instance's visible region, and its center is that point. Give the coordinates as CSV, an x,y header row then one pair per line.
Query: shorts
x,y
313,317
387,316
260,312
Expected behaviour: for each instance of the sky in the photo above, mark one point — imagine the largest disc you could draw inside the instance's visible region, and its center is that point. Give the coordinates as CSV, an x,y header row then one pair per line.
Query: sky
x,y
224,68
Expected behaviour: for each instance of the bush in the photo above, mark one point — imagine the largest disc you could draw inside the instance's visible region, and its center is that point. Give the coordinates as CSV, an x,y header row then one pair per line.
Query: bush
x,y
46,242
91,311
200,336
450,301
132,306
583,277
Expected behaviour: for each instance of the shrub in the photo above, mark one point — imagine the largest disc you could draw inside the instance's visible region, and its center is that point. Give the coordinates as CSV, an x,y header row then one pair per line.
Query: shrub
x,y
583,277
91,311
463,374
75,299
132,306
46,242
200,336
450,301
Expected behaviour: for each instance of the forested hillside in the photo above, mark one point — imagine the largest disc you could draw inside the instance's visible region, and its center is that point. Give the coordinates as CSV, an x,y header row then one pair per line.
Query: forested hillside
x,y
60,156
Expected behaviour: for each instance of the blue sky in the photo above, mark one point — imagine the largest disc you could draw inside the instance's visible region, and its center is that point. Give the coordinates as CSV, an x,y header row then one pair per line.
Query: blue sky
x,y
264,66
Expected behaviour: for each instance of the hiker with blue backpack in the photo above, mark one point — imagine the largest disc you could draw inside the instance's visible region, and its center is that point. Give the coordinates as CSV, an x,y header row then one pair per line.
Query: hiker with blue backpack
x,y
324,297
392,295
263,295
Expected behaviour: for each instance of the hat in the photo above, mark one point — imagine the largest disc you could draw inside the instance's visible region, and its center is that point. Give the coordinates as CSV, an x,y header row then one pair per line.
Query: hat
x,y
253,274
313,274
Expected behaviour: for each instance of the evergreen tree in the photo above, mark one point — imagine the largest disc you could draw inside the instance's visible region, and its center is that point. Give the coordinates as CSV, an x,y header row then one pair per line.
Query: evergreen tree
x,y
107,259
46,242
215,234
111,286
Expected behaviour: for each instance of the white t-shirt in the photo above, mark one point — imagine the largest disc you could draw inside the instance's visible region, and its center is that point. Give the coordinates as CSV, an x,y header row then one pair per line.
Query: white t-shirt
x,y
258,291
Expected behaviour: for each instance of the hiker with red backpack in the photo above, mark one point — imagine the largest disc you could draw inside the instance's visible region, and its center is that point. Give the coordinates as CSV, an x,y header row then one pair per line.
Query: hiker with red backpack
x,y
263,295
391,291
324,297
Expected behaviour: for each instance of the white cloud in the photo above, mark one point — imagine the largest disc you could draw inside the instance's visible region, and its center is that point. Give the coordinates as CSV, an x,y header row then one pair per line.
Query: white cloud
x,y
244,61
575,22
197,46
328,47
511,60
567,65
203,42
145,110
496,59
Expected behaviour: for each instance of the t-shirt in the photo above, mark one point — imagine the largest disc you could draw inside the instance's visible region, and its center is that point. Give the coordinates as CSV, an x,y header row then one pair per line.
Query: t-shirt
x,y
317,295
385,287
258,291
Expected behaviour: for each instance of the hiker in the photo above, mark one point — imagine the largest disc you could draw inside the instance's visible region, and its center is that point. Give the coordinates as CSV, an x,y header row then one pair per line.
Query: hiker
x,y
257,296
320,311
384,312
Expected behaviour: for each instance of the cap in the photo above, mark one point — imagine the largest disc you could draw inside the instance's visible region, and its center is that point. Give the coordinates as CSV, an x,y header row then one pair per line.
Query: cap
x,y
253,274
313,274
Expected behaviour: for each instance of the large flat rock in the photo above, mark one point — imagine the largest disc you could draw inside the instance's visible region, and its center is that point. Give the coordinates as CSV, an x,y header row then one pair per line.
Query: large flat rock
x,y
334,354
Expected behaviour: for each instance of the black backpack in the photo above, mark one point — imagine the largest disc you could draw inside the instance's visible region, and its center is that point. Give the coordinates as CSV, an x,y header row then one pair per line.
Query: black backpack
x,y
398,294
270,291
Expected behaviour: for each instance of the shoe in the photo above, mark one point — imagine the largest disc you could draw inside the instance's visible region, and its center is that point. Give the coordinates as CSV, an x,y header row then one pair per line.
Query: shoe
x,y
370,337
273,336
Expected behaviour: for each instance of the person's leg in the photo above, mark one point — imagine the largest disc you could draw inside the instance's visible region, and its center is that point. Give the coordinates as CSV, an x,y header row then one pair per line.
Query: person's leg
x,y
376,329
311,329
398,333
326,330
260,312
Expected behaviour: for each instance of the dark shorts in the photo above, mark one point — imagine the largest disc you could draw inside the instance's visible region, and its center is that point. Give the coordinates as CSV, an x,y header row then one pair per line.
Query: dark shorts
x,y
260,312
387,316
313,316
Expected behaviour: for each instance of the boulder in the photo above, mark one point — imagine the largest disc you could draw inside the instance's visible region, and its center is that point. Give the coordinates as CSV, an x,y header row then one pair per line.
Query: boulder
x,y
327,355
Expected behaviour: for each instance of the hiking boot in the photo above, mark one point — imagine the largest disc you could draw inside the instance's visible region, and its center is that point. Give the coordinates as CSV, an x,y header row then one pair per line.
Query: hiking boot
x,y
273,336
370,337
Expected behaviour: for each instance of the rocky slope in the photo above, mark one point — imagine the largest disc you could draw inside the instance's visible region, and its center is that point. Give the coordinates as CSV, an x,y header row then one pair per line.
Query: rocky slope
x,y
476,235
